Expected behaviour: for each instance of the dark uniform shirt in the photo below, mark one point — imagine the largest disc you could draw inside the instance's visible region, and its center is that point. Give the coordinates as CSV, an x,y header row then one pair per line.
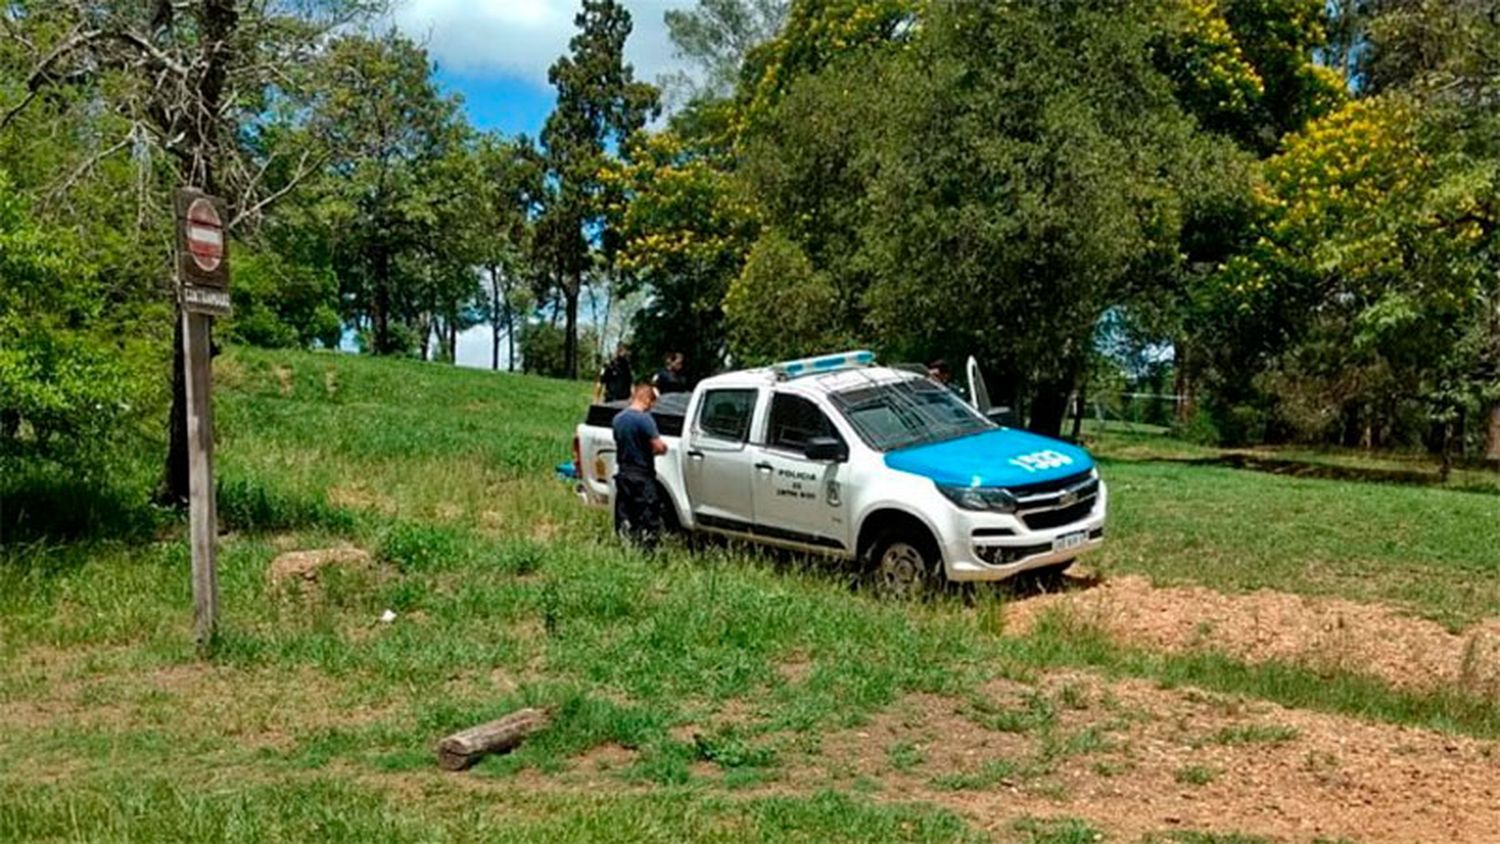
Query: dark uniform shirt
x,y
617,379
634,431
667,381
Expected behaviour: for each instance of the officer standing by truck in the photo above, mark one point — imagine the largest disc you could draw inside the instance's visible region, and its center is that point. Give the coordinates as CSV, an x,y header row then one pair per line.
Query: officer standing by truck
x,y
670,378
637,444
613,383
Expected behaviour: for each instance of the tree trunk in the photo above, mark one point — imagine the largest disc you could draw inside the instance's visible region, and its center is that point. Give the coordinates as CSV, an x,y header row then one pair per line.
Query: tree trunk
x,y
1492,440
495,319
173,489
570,340
1079,408
1049,406
381,316
510,339
453,339
1182,382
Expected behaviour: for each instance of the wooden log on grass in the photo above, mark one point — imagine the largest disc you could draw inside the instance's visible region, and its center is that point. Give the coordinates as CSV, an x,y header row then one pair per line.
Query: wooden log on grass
x,y
463,749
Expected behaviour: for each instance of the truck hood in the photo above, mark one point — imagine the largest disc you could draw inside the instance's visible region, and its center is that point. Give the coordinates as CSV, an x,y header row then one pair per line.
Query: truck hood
x,y
1000,458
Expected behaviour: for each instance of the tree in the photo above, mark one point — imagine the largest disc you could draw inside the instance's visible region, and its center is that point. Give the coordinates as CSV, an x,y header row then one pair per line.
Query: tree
x,y
598,103
65,381
1364,303
508,189
685,228
1248,68
186,81
385,130
716,36
779,307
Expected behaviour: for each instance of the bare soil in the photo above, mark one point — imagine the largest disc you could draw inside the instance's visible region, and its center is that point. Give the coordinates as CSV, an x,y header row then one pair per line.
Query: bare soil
x,y
1131,760
1323,633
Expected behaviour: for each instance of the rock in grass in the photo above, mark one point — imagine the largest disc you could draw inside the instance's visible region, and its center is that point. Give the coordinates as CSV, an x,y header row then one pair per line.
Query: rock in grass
x,y
296,566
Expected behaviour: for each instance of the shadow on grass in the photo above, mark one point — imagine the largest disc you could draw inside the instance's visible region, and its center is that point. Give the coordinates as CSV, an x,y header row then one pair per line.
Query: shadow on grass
x,y
1327,471
47,502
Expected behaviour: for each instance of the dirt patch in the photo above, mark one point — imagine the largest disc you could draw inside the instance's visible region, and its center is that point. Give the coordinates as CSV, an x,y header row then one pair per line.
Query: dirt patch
x,y
306,566
795,668
1133,760
360,497
283,379
1323,633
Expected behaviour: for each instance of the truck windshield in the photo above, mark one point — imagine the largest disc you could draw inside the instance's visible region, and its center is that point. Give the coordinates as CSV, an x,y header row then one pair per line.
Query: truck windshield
x,y
914,411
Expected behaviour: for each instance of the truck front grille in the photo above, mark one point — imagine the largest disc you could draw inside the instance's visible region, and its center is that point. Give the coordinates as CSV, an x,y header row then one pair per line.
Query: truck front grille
x,y
1048,519
1058,503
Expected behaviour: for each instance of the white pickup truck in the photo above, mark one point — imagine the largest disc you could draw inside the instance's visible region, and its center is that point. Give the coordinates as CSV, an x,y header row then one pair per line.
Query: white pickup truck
x,y
875,465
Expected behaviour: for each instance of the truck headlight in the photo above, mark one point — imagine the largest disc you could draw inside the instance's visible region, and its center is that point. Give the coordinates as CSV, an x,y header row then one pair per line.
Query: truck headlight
x,y
982,498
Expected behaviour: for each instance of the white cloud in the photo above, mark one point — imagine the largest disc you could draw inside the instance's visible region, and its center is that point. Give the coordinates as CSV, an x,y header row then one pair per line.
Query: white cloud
x,y
522,38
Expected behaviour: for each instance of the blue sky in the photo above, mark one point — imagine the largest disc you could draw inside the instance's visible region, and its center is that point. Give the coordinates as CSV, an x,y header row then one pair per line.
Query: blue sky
x,y
496,52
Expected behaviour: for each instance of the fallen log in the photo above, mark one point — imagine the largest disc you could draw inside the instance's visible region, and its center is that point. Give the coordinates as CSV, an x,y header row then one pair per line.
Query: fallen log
x,y
463,749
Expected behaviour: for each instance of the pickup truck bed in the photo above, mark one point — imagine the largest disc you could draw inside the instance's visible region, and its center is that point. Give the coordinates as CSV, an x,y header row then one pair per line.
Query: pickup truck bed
x,y
670,411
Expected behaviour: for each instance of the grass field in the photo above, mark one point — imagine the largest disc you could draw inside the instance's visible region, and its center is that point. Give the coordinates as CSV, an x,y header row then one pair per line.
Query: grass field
x,y
712,695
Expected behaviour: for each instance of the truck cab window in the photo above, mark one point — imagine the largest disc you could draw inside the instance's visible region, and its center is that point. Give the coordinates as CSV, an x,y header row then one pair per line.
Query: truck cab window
x,y
795,420
725,414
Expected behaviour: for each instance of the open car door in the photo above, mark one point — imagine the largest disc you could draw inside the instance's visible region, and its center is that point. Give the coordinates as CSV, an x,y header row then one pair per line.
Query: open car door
x,y
979,394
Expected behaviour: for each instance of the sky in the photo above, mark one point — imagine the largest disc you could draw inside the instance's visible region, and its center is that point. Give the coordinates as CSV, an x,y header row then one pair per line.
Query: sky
x,y
495,54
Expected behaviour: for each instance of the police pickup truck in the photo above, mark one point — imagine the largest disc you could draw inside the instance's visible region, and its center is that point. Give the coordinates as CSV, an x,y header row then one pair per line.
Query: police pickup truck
x,y
879,466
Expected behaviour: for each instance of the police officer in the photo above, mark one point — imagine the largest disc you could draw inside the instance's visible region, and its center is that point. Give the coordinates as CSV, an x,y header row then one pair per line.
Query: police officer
x,y
670,379
613,383
637,444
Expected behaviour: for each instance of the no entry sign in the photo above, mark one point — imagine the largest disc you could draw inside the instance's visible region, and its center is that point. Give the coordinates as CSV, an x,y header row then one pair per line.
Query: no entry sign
x,y
202,245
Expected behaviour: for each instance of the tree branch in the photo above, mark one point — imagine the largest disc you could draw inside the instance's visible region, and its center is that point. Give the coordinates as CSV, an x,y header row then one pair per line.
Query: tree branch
x,y
303,171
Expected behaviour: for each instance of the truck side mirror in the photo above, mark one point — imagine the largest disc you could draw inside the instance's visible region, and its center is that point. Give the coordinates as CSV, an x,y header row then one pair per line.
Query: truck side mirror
x,y
826,450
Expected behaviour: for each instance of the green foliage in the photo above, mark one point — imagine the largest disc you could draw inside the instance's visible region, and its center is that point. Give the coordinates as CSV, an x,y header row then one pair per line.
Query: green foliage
x,y
685,229
544,351
1362,308
781,307
279,303
68,389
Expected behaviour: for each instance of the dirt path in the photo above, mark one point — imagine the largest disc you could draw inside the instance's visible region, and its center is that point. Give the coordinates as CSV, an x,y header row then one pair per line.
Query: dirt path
x,y
1134,760
1262,626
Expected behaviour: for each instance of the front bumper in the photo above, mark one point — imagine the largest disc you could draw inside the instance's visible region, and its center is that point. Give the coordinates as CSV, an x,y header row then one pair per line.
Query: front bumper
x,y
991,546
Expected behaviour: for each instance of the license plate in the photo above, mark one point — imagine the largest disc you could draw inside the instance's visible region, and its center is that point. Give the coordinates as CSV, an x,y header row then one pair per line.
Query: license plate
x,y
1069,541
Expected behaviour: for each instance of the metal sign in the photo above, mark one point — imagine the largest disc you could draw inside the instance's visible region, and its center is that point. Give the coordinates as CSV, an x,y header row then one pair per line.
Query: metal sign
x,y
202,242
205,300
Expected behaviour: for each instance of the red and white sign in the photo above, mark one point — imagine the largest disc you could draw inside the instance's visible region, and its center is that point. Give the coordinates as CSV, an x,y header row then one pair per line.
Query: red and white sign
x,y
204,235
202,252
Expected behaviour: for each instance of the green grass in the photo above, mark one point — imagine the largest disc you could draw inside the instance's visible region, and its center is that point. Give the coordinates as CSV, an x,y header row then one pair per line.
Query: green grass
x,y
1196,774
1254,734
1426,549
314,720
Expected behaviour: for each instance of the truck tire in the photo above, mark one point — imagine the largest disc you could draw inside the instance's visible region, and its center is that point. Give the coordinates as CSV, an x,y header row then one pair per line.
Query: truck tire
x,y
905,567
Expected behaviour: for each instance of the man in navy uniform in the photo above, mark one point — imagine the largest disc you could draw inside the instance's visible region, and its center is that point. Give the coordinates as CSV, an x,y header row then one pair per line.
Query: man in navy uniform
x,y
613,383
637,444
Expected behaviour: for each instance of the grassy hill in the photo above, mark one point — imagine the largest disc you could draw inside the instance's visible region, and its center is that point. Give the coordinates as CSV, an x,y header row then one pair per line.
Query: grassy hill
x,y
712,695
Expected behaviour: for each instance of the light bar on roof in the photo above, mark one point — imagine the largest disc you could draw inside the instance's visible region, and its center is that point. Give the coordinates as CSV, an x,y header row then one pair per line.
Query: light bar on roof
x,y
827,363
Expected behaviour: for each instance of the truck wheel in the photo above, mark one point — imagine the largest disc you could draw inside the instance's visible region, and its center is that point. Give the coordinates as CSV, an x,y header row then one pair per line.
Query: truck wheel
x,y
904,568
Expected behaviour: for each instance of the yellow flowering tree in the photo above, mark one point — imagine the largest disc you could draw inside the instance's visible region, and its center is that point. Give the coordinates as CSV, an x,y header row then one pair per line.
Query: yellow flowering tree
x,y
684,228
1365,301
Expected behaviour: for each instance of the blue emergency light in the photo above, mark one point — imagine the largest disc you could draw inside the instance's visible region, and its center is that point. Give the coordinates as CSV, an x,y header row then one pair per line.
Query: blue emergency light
x,y
827,363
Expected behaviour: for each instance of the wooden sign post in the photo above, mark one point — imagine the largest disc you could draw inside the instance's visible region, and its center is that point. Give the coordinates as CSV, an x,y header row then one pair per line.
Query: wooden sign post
x,y
203,292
